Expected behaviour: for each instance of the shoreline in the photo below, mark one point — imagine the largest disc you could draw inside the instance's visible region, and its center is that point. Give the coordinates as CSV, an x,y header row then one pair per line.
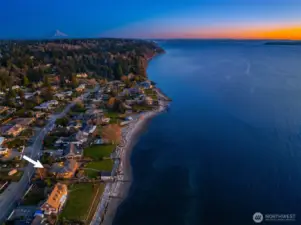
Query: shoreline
x,y
121,190
115,193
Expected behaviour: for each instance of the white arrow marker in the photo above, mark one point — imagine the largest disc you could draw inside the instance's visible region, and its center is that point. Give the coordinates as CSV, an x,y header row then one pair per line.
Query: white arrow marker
x,y
36,164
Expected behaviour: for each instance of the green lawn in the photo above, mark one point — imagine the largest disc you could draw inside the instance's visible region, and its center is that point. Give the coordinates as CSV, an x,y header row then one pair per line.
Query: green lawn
x,y
149,91
114,117
142,107
112,114
103,165
80,199
98,152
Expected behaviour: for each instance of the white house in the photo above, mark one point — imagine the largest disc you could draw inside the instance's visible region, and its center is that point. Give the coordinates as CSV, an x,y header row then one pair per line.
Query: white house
x,y
3,151
15,87
82,75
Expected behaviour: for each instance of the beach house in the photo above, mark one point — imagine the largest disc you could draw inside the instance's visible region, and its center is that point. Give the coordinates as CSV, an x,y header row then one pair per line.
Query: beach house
x,y
65,169
56,200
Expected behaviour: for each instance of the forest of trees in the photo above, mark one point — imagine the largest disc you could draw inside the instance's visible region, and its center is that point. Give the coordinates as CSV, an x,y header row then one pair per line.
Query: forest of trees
x,y
29,62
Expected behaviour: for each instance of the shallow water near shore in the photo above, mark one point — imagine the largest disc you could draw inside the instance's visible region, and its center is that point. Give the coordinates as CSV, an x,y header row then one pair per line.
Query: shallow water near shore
x,y
229,147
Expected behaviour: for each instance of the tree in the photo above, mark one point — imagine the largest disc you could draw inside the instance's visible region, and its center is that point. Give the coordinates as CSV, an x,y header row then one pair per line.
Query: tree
x,y
10,98
111,102
74,81
48,182
25,81
140,66
5,79
48,93
118,71
46,81
37,100
62,80
62,121
124,78
22,95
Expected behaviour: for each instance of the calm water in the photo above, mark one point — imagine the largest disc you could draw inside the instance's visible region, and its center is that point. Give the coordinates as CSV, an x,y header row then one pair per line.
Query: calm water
x,y
231,144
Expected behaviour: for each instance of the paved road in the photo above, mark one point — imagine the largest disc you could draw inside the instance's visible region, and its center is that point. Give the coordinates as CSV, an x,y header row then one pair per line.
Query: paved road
x,y
13,197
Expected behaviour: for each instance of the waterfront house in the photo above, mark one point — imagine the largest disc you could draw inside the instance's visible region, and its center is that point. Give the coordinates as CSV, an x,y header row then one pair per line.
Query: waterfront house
x,y
65,169
56,200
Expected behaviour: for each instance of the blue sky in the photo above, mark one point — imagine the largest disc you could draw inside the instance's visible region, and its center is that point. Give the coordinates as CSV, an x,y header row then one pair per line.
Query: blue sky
x,y
137,18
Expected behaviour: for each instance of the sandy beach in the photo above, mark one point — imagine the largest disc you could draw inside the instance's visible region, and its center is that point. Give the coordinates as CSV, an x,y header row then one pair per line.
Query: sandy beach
x,y
117,191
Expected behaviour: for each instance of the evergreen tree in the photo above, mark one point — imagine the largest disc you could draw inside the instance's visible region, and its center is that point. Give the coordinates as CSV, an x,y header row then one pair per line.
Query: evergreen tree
x,y
25,81
118,71
46,81
74,81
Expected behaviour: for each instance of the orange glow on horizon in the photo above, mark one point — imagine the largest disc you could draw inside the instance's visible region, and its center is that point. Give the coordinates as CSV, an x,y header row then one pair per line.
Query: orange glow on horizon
x,y
288,33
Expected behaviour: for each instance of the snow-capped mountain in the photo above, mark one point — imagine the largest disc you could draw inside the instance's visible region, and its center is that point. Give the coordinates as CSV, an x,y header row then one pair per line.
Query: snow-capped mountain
x,y
58,34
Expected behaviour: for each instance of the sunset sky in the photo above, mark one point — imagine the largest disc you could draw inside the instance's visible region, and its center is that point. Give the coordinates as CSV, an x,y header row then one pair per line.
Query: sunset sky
x,y
241,19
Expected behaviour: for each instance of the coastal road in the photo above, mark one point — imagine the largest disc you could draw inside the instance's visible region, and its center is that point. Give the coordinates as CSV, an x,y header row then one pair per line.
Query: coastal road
x,y
12,198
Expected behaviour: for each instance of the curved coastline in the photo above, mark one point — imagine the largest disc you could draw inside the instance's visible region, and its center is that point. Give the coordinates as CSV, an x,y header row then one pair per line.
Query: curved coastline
x,y
115,193
122,188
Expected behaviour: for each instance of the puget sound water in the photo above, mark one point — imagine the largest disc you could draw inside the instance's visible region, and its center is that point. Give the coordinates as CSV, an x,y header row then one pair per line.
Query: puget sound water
x,y
230,145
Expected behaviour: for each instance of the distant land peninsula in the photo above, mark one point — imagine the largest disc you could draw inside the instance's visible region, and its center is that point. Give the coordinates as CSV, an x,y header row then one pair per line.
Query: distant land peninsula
x,y
283,43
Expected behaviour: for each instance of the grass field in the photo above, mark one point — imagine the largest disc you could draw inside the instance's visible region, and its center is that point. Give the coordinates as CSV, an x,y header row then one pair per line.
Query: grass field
x,y
81,198
114,117
103,165
98,152
112,114
142,107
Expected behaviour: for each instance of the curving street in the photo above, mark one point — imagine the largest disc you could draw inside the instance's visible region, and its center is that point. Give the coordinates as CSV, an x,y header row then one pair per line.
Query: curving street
x,y
11,200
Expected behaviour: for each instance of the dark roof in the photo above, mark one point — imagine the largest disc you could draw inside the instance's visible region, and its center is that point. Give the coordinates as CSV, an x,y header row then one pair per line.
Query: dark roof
x,y
72,149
